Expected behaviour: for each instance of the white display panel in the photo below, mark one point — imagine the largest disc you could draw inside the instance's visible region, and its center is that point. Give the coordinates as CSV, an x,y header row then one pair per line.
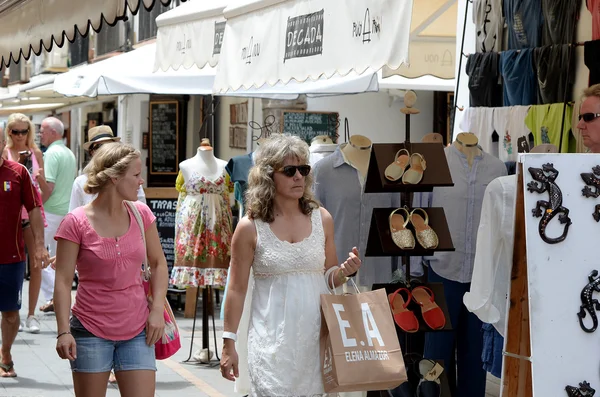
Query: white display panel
x,y
562,353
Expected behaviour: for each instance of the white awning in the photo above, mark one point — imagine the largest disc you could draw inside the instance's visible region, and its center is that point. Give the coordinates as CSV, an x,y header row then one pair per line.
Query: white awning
x,y
271,41
28,25
424,83
432,41
131,73
190,34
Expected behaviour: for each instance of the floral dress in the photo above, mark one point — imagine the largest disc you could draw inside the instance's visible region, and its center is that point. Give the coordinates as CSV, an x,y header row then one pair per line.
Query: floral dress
x,y
203,230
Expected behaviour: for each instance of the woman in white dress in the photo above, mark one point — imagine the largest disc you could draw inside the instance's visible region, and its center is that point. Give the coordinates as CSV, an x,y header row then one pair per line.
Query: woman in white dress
x,y
288,242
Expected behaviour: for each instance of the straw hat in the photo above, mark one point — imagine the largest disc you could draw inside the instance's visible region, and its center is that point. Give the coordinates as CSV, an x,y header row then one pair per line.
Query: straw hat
x,y
101,133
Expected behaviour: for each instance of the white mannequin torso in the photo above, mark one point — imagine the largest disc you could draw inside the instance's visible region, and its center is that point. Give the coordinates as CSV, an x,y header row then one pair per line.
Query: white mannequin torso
x,y
204,163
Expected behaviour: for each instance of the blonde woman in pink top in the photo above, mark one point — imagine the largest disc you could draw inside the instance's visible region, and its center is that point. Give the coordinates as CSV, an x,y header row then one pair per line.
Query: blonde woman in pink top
x,y
113,326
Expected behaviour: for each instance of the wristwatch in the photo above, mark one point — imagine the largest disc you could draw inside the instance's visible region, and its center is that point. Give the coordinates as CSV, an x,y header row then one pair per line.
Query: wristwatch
x,y
230,335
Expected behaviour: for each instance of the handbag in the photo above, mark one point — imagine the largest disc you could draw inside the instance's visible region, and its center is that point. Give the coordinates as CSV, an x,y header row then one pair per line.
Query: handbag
x,y
170,342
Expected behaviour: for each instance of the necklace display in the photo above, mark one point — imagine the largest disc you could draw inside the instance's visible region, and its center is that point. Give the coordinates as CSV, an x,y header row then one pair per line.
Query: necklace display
x,y
465,144
368,147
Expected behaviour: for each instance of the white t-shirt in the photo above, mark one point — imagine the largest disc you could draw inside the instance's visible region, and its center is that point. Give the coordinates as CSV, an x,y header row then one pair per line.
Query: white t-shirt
x,y
80,198
489,25
479,122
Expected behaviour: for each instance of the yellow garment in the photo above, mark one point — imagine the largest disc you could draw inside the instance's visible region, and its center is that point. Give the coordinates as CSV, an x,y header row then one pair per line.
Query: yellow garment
x,y
545,121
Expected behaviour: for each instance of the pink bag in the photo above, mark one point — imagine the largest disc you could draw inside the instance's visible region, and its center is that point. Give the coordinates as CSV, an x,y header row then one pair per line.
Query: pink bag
x,y
170,342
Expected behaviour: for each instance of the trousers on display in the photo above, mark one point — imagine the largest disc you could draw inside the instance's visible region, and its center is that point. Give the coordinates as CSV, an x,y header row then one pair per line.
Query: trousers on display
x,y
460,348
48,274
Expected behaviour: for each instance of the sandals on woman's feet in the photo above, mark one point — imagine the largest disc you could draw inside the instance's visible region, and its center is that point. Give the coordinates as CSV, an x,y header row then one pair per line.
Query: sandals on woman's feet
x,y
48,307
7,370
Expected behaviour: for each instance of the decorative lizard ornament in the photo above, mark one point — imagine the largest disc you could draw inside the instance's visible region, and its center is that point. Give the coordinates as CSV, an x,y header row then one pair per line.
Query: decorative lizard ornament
x,y
592,188
545,181
584,390
589,304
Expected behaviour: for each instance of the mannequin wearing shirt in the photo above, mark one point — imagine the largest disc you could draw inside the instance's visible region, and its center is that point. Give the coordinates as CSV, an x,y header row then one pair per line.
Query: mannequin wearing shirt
x,y
472,170
357,153
320,146
203,226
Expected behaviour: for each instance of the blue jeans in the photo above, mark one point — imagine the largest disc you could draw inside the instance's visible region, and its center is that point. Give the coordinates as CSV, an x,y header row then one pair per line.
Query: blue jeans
x,y
11,286
464,342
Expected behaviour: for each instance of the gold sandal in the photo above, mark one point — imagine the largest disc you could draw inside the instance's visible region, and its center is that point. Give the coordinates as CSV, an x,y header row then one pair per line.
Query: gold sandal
x,y
401,236
426,236
414,174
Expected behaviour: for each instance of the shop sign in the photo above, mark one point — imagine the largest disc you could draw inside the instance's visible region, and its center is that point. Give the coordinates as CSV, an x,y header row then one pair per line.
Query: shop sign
x,y
252,50
219,32
304,36
367,27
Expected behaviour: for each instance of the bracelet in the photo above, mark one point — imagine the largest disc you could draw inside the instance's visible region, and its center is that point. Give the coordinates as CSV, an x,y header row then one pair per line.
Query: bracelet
x,y
341,276
63,333
230,335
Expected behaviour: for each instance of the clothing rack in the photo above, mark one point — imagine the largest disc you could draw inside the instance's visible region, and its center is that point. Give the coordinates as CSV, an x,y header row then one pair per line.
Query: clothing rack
x,y
577,44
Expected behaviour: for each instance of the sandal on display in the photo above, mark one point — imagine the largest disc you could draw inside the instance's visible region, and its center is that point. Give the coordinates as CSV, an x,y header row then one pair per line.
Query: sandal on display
x,y
404,318
418,165
7,370
432,314
426,236
401,236
395,170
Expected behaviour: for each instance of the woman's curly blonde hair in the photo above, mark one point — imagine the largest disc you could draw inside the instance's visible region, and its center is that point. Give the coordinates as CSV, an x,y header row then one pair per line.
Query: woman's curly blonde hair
x,y
261,187
110,161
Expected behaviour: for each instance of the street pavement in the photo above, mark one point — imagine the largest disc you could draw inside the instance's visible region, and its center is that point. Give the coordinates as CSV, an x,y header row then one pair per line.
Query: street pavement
x,y
41,373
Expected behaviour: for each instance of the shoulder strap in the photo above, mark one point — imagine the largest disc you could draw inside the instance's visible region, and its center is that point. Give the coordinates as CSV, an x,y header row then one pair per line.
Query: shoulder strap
x,y
138,218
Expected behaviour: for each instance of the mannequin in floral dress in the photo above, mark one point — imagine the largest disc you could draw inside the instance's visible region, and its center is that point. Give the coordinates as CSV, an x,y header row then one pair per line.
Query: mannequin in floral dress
x,y
203,224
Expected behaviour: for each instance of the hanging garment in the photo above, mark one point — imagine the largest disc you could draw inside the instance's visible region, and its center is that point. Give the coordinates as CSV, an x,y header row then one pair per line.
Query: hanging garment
x,y
485,85
593,7
555,67
560,21
519,79
490,284
545,122
489,25
238,168
479,121
284,324
203,231
591,50
524,23
340,189
509,124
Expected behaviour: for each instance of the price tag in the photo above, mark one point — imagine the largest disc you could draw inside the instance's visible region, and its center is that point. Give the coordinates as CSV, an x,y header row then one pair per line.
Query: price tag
x,y
435,372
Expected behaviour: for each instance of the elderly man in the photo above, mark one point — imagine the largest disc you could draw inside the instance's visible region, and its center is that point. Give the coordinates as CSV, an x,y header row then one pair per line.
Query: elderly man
x,y
16,191
589,118
56,182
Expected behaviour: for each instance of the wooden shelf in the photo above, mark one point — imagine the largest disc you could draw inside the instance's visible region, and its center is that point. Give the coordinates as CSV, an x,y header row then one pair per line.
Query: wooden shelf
x,y
380,241
440,299
437,173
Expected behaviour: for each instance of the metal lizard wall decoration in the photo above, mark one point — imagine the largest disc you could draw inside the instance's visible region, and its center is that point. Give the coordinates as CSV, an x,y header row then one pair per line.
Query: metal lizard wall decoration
x,y
589,304
545,181
584,390
592,188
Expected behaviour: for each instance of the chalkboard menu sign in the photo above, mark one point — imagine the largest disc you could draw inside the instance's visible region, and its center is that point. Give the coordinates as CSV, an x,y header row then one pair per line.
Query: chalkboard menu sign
x,y
164,211
308,125
164,143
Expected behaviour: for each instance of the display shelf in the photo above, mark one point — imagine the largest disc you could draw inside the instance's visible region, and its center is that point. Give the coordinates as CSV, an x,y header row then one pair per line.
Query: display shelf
x,y
440,299
437,173
380,241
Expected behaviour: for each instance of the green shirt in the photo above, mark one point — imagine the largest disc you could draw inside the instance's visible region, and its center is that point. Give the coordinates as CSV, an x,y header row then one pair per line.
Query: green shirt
x,y
545,121
60,168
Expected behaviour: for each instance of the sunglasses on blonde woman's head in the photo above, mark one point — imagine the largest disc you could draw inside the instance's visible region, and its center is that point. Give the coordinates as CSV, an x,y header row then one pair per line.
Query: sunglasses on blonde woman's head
x,y
290,170
20,132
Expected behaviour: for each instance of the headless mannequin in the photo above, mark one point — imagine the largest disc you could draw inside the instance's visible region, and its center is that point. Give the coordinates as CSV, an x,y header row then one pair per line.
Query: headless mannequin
x,y
321,139
204,163
357,153
466,143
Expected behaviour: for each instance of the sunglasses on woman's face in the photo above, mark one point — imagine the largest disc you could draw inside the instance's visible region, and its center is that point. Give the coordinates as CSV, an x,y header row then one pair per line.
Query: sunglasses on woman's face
x,y
19,132
290,170
587,117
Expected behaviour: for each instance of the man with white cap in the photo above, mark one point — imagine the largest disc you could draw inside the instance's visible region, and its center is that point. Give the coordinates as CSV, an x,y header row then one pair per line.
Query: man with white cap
x,y
97,136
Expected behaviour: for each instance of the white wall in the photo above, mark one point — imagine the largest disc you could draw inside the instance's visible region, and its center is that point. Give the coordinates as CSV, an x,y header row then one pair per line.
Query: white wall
x,y
133,122
377,117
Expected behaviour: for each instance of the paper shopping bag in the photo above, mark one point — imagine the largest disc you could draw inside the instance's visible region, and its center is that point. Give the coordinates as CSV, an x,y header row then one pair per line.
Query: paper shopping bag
x,y
360,350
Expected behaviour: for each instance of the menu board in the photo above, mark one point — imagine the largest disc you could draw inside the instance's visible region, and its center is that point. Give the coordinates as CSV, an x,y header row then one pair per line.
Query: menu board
x,y
308,125
164,211
164,143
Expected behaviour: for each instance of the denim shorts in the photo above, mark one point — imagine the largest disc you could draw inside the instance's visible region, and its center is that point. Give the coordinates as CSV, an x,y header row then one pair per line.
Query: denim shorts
x,y
11,286
101,355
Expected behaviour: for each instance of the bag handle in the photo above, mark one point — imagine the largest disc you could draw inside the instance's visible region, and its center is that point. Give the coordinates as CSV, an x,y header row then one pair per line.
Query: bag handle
x,y
138,218
331,287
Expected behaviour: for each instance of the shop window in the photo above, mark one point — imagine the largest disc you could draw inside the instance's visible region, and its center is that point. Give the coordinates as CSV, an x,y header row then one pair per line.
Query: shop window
x,y
147,21
110,38
78,50
18,72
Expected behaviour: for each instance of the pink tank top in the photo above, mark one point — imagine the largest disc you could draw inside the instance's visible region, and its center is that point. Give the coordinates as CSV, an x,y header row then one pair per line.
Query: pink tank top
x,y
34,168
